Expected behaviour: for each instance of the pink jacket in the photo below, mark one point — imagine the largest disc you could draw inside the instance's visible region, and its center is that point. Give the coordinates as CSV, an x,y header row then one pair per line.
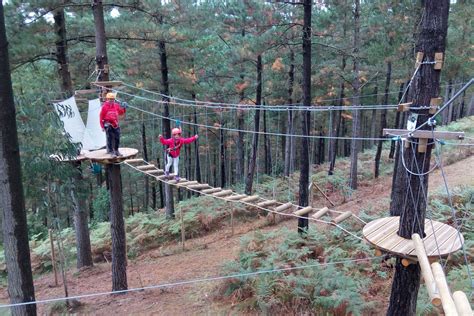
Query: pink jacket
x,y
174,145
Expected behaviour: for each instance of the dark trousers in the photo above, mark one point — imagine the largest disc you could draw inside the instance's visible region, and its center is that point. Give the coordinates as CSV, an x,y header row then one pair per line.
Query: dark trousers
x,y
113,138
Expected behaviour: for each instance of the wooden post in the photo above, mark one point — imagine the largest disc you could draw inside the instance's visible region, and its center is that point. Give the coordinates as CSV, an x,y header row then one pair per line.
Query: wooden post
x,y
53,257
183,235
324,194
426,270
446,299
462,304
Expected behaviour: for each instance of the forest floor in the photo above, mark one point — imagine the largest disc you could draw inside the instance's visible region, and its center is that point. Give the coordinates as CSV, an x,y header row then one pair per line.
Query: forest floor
x,y
204,257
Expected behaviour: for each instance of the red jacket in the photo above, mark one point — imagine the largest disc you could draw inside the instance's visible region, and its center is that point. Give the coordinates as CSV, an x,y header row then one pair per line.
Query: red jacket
x,y
110,113
176,144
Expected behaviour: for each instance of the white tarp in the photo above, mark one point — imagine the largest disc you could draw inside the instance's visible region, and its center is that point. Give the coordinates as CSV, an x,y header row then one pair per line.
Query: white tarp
x,y
71,118
94,138
90,135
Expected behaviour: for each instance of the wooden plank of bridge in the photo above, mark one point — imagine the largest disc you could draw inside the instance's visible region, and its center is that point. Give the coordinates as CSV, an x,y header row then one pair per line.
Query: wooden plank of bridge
x,y
342,217
267,203
156,171
198,186
236,197
320,213
426,270
211,190
134,160
423,134
283,207
185,184
146,167
303,211
115,83
251,198
446,299
222,193
462,303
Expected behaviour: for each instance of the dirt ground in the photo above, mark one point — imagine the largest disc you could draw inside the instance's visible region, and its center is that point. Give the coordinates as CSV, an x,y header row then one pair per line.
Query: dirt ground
x,y
202,258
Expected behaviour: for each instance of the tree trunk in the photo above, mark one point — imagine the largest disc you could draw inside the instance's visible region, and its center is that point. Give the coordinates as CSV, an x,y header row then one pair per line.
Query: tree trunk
x,y
432,38
267,146
145,156
83,242
166,126
222,156
383,120
12,203
336,121
197,161
240,159
305,115
117,230
397,122
253,158
160,184
101,58
290,140
373,119
61,52
355,143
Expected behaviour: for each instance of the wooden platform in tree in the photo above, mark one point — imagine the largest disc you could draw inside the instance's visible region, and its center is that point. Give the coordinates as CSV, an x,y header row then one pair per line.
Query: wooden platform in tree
x,y
440,240
101,156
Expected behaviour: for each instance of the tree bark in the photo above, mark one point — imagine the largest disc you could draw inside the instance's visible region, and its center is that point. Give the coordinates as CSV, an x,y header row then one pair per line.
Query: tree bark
x,y
253,157
432,39
61,52
222,156
166,126
83,242
290,140
397,122
240,159
305,115
12,203
355,144
145,156
101,58
197,161
267,146
117,230
383,120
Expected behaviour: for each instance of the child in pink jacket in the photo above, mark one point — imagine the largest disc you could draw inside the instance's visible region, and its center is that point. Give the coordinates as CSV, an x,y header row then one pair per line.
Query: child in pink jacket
x,y
174,147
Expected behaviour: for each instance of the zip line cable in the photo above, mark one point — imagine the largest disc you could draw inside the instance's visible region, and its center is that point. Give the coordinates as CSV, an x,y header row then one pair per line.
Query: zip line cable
x,y
193,281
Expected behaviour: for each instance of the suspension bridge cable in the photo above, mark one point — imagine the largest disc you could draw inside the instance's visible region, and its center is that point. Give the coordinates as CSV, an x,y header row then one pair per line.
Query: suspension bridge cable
x,y
193,281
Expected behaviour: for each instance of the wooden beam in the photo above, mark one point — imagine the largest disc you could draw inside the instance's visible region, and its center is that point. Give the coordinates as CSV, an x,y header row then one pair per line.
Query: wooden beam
x,y
87,91
146,167
342,217
283,207
423,134
211,190
426,270
439,58
134,160
223,193
322,192
251,198
236,197
107,83
303,211
462,304
320,213
198,186
267,203
156,171
446,299
185,184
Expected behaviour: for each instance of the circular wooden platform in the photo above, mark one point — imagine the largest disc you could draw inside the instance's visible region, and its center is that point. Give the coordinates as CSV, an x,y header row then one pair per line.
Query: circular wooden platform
x,y
101,156
382,234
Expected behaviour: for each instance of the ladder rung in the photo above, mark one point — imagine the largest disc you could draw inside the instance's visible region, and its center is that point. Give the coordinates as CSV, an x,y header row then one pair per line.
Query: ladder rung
x,y
303,211
236,197
320,213
267,203
251,198
146,167
211,190
342,217
283,207
134,160
157,171
223,193
198,186
185,184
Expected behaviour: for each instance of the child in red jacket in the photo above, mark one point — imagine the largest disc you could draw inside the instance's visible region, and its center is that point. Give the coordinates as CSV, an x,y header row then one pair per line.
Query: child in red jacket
x,y
109,121
174,146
